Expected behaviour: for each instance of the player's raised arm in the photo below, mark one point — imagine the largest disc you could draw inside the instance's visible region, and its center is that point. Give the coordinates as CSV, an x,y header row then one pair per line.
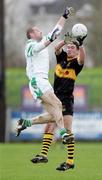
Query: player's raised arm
x,y
42,42
82,53
79,31
59,26
58,47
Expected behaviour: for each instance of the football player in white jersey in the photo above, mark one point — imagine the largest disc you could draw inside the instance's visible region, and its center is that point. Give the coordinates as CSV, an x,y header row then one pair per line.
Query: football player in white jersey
x,y
37,70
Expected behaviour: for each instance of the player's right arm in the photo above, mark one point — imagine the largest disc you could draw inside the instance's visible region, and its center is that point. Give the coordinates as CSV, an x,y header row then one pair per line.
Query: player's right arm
x,y
55,32
59,26
58,47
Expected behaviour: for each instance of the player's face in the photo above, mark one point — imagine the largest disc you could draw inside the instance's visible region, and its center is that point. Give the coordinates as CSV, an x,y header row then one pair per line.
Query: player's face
x,y
36,34
72,50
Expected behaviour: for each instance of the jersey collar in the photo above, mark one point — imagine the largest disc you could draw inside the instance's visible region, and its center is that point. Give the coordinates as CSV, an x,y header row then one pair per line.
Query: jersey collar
x,y
75,57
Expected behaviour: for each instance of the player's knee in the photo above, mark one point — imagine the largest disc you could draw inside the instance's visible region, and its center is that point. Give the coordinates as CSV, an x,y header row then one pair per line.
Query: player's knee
x,y
57,115
59,105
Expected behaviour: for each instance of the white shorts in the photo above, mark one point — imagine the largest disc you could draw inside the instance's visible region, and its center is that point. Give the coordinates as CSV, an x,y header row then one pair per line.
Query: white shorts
x,y
38,86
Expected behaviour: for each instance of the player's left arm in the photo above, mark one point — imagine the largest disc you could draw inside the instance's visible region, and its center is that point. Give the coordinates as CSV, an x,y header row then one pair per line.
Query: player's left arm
x,y
82,53
58,47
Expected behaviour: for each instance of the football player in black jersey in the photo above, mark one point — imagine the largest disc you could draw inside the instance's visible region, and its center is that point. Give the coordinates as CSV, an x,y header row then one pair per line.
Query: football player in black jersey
x,y
69,64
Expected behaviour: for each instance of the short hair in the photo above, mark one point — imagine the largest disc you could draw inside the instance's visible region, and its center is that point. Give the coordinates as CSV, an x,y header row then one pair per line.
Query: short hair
x,y
76,43
29,30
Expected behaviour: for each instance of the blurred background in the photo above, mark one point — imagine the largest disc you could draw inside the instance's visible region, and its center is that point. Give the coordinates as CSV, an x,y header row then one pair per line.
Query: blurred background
x,y
15,99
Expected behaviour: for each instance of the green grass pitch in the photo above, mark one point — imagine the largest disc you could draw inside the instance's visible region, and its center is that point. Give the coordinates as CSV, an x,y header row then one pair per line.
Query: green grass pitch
x,y
15,162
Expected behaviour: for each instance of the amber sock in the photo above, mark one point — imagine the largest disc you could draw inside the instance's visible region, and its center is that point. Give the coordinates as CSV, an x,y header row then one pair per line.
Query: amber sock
x,y
70,149
47,140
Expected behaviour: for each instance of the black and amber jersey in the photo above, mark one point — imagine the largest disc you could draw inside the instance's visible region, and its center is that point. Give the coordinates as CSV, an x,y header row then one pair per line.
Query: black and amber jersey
x,y
65,74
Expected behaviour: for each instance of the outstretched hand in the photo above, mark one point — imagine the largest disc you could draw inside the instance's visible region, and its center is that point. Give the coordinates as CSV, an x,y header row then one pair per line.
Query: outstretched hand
x,y
81,39
67,37
68,12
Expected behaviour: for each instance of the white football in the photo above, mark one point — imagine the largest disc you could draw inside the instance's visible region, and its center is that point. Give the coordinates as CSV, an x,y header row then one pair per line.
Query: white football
x,y
79,30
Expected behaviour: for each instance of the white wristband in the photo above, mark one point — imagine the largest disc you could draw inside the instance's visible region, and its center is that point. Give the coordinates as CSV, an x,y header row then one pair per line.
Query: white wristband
x,y
59,27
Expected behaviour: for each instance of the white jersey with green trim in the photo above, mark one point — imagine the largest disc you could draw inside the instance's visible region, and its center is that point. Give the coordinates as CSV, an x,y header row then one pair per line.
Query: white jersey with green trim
x,y
37,59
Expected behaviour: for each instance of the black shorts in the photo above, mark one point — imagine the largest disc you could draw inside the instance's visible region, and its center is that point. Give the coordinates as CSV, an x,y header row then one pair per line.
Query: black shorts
x,y
67,104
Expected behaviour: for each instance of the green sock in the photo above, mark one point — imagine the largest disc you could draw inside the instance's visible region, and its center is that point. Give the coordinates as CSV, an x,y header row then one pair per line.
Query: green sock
x,y
63,131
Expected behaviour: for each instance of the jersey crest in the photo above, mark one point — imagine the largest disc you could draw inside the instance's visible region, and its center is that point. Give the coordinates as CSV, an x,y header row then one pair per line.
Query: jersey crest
x,y
65,73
